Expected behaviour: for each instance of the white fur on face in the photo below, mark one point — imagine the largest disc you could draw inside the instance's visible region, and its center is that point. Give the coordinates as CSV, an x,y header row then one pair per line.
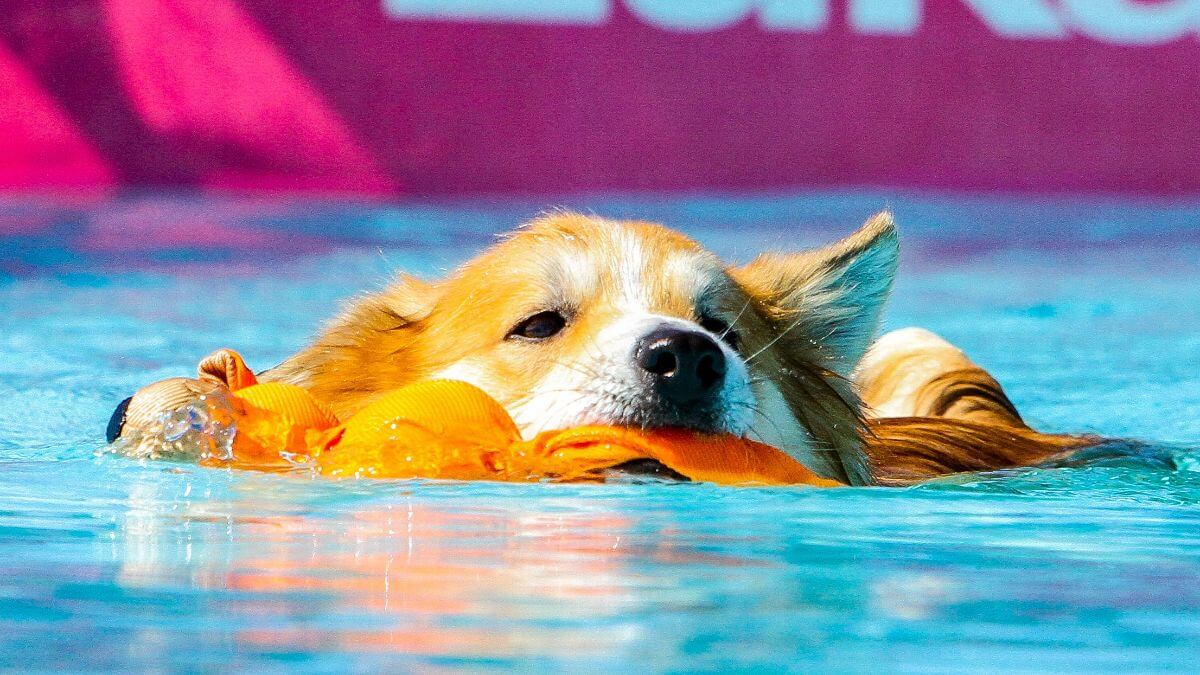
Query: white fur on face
x,y
630,269
605,385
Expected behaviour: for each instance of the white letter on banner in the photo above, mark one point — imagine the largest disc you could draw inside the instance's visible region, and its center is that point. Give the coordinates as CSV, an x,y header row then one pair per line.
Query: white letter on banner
x,y
702,15
1134,23
885,17
1007,18
691,15
807,15
587,12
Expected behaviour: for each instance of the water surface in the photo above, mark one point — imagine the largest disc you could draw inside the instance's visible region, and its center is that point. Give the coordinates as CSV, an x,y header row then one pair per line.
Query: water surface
x,y
1087,310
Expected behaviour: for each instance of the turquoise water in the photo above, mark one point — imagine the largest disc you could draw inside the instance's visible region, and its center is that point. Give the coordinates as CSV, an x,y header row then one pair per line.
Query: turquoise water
x,y
1087,310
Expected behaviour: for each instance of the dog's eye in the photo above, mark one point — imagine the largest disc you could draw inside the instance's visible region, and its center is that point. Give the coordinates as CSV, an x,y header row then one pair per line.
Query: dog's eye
x,y
720,329
539,326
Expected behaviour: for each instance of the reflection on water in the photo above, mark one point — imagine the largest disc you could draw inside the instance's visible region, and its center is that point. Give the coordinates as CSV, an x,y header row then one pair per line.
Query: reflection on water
x,y
201,564
405,566
460,574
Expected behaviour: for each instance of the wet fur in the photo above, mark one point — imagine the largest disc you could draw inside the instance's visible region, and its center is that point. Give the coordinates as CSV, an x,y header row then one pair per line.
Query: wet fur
x,y
906,450
934,412
806,320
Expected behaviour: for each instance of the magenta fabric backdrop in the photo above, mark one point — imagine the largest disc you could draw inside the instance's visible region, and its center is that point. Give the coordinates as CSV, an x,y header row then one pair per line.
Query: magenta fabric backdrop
x,y
419,97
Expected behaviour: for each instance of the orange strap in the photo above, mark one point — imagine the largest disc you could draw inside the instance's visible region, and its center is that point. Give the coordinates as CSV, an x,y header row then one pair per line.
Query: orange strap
x,y
728,460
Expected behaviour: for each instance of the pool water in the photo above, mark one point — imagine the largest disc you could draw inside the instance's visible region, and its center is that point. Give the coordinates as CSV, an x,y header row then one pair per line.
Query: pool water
x,y
1088,310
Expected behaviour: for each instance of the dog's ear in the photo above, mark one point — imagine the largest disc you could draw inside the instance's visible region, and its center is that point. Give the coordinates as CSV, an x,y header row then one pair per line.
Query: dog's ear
x,y
363,349
405,302
833,296
408,298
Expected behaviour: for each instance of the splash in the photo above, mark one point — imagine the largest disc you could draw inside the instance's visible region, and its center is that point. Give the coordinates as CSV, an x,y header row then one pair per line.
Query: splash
x,y
201,430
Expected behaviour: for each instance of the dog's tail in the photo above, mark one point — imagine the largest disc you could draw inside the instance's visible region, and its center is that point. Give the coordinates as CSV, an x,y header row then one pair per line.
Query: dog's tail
x,y
932,411
904,450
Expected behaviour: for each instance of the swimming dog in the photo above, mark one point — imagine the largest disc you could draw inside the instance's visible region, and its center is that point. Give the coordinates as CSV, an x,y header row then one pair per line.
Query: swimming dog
x,y
575,319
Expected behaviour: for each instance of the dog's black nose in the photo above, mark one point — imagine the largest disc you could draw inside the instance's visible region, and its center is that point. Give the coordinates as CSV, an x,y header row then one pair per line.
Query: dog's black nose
x,y
686,365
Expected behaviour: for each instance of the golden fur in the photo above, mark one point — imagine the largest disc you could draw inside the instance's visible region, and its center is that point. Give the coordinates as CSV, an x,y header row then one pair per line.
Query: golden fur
x,y
933,412
905,450
804,321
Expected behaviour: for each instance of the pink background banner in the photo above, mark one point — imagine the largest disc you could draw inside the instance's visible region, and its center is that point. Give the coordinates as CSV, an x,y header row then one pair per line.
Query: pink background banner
x,y
457,97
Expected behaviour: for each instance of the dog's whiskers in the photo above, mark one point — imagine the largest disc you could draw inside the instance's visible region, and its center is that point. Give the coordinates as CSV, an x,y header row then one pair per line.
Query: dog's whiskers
x,y
737,318
774,340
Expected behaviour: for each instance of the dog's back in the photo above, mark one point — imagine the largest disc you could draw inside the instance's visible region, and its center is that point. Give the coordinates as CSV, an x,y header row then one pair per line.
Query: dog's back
x,y
932,411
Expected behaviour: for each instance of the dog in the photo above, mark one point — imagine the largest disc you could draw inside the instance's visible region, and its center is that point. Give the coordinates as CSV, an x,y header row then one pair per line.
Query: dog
x,y
574,319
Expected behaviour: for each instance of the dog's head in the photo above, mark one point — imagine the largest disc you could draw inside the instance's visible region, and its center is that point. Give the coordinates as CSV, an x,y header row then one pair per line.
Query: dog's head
x,y
578,320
